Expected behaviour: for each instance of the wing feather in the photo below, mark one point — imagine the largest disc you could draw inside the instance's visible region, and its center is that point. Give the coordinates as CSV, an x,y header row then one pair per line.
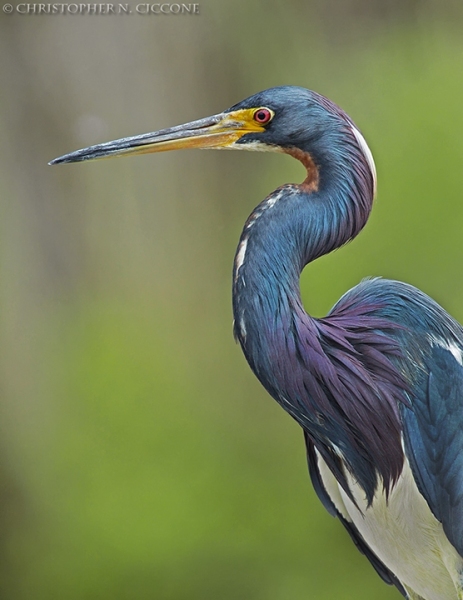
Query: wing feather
x,y
433,436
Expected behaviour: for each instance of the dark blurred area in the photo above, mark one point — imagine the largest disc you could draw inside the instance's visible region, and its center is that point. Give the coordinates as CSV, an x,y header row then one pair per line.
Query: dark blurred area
x,y
139,458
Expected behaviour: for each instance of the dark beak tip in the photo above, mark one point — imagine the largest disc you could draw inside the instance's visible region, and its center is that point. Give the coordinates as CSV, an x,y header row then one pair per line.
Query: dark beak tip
x,y
58,161
69,158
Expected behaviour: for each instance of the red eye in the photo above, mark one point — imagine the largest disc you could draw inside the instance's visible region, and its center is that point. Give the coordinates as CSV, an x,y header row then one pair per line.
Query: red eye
x,y
263,115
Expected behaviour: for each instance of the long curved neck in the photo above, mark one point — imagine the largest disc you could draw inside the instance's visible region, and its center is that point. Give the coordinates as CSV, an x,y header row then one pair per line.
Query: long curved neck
x,y
292,227
316,369
288,230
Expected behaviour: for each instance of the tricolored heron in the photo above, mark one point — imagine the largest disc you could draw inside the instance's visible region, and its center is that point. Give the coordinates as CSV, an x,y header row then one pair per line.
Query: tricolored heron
x,y
376,385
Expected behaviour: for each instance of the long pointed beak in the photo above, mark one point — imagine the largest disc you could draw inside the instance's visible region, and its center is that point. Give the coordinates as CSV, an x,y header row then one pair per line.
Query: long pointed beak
x,y
218,131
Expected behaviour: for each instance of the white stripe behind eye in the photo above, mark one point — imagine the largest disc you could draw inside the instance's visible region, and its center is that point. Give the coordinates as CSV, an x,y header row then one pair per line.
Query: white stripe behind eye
x,y
368,155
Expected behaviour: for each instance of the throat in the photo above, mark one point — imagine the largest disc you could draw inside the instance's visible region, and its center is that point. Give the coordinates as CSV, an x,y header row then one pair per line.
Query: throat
x,y
312,181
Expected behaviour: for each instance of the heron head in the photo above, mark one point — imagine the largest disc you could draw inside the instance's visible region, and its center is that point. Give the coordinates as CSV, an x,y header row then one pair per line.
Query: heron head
x,y
278,119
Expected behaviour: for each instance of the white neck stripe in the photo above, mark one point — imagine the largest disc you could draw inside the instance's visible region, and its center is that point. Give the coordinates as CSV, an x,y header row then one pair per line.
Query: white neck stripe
x,y
368,155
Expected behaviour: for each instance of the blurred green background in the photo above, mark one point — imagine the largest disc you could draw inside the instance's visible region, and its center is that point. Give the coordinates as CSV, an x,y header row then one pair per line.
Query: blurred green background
x,y
139,457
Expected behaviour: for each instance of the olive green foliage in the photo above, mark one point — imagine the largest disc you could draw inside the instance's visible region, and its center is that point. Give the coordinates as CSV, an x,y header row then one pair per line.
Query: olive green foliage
x,y
139,457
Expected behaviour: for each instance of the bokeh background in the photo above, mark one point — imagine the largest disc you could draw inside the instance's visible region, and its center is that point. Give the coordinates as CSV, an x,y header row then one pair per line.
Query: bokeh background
x,y
139,457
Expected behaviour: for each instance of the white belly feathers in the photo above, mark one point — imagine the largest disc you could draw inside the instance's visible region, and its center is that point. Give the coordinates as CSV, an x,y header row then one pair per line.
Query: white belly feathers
x,y
403,533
